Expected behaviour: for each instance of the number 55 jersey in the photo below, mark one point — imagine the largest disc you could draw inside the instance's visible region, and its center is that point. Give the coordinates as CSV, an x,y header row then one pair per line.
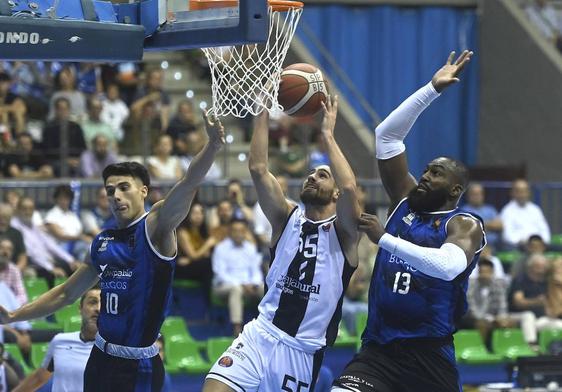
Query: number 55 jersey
x,y
306,282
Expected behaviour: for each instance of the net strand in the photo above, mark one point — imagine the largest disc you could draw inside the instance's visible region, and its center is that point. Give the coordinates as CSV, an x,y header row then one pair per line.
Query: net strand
x,y
245,79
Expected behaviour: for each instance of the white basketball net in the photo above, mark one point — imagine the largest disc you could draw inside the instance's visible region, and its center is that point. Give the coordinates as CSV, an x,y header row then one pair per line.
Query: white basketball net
x,y
245,79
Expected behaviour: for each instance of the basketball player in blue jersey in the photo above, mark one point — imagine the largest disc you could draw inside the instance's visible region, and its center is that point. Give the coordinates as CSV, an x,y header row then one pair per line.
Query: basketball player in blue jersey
x,y
427,250
314,253
135,264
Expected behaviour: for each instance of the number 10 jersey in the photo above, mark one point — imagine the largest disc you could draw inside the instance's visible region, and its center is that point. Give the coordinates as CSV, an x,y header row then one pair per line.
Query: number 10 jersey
x,y
307,279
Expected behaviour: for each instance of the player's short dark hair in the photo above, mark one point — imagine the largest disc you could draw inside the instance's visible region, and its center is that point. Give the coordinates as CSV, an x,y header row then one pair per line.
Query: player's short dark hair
x,y
64,190
83,297
485,262
133,169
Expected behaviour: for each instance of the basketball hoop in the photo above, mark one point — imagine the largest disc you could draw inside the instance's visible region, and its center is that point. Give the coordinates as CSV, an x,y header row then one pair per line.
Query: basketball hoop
x,y
245,79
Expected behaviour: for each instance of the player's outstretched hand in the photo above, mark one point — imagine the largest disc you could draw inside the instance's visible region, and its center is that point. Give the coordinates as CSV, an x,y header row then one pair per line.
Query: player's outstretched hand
x,y
215,130
371,225
448,74
330,110
5,316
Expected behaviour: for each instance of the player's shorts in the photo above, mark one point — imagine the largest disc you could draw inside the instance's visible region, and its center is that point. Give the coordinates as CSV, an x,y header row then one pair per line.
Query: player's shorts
x,y
106,373
421,365
259,361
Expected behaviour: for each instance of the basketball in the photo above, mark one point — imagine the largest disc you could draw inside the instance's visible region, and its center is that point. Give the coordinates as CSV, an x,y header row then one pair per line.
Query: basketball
x,y
302,90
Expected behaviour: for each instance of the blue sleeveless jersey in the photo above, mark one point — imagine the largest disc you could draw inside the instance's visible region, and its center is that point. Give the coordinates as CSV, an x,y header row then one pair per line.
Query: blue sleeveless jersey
x,y
136,285
406,303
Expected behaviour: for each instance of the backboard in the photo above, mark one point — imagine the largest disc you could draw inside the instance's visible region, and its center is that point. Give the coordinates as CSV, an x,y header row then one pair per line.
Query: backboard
x,y
117,31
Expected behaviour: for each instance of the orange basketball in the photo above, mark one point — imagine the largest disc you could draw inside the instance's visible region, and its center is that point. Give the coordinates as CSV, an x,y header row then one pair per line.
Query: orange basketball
x,y
302,90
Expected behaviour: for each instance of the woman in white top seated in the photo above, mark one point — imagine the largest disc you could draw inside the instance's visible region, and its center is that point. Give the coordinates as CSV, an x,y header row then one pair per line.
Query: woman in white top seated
x,y
163,165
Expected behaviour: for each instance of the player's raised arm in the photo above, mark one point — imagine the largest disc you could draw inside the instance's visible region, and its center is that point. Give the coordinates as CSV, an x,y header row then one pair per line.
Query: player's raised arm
x,y
51,301
166,215
270,195
347,206
390,134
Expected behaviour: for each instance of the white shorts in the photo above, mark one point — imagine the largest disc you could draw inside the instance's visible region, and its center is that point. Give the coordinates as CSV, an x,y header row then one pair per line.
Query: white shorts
x,y
259,361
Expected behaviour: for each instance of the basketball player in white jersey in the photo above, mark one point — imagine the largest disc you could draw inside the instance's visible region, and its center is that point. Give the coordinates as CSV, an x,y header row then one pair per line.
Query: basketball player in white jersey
x,y
314,253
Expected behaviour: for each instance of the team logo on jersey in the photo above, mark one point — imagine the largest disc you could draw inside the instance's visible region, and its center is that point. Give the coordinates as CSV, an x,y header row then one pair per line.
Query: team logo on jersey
x,y
436,223
288,284
102,267
239,346
326,227
226,361
408,219
103,246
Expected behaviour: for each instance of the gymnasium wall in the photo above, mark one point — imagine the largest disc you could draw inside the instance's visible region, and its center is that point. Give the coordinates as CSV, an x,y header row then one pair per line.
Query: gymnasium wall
x,y
389,52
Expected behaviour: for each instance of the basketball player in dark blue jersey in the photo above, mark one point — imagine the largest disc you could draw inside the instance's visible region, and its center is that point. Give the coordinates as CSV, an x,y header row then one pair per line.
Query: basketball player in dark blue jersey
x,y
134,264
427,250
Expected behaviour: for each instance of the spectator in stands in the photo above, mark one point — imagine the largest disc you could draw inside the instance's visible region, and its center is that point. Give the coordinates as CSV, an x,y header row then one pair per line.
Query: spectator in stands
x,y
26,162
114,110
13,234
237,272
546,19
63,139
98,218
194,249
522,218
183,123
12,107
13,197
94,125
475,203
235,194
9,379
534,245
17,332
65,87
553,298
32,80
153,91
68,353
46,258
163,165
88,76
527,296
142,131
487,302
193,143
9,273
96,158
355,298
224,214
64,224
499,272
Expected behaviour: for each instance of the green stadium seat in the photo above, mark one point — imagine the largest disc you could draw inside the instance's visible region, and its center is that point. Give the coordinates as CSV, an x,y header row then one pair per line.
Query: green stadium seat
x,y
510,344
470,349
184,356
35,287
216,347
556,239
38,351
73,324
43,324
548,336
67,312
175,329
361,322
186,284
344,339
509,257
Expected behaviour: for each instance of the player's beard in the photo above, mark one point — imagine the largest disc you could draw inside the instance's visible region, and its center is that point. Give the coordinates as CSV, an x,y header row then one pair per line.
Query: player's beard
x,y
315,197
427,201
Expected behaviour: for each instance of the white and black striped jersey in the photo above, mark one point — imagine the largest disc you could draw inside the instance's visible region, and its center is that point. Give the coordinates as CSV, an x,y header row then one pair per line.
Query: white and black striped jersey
x,y
306,282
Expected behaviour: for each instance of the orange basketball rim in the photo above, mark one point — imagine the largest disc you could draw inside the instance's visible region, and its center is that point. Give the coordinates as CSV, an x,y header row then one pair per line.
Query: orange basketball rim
x,y
276,5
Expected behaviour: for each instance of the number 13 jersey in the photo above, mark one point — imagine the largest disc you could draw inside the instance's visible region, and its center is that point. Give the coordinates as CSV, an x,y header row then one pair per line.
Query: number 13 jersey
x,y
306,282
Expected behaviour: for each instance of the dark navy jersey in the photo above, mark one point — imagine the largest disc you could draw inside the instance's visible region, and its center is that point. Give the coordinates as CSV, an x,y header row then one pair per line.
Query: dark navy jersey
x,y
136,285
406,303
